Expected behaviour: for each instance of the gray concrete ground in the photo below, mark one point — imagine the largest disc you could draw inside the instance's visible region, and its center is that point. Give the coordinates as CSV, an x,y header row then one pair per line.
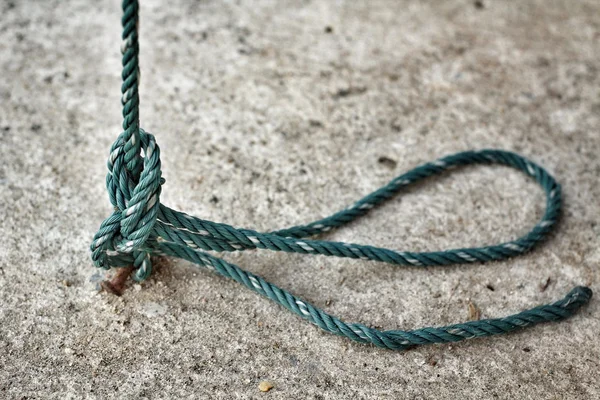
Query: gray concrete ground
x,y
273,113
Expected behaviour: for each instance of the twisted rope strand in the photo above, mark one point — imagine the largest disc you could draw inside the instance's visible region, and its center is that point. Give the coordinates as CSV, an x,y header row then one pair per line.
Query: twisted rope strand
x,y
141,226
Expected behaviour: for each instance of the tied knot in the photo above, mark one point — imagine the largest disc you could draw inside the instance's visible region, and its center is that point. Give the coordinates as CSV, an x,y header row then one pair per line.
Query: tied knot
x,y
134,184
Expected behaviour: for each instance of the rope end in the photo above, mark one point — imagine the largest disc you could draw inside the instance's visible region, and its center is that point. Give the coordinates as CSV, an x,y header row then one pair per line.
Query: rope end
x,y
576,298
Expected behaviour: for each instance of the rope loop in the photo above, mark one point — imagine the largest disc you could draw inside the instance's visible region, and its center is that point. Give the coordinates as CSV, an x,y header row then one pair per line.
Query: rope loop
x,y
141,226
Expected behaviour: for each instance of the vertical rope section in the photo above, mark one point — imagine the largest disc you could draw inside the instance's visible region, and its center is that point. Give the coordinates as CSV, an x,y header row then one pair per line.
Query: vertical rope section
x,y
129,89
141,226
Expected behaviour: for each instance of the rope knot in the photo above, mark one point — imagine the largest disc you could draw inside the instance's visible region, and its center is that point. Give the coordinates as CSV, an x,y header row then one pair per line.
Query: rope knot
x,y
135,194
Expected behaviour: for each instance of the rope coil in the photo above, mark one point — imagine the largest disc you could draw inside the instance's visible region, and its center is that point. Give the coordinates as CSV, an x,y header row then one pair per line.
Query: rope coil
x,y
141,226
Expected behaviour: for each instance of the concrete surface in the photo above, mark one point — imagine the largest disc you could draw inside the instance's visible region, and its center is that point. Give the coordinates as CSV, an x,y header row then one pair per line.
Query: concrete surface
x,y
273,113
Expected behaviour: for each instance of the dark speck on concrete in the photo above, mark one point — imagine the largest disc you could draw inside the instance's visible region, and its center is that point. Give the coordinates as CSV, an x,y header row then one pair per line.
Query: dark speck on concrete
x,y
349,91
396,127
545,285
387,162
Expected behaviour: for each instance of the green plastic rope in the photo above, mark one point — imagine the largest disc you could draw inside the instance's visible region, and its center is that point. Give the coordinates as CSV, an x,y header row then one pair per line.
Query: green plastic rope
x,y
141,226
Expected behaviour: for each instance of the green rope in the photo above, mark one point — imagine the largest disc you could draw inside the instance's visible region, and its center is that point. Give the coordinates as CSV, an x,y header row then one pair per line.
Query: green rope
x,y
141,226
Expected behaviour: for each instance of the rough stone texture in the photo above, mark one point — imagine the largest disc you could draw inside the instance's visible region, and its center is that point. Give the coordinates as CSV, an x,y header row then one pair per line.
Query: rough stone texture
x,y
273,113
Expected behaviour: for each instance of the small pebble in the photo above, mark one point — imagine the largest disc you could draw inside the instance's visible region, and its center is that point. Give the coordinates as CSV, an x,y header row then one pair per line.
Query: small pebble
x,y
474,312
265,386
